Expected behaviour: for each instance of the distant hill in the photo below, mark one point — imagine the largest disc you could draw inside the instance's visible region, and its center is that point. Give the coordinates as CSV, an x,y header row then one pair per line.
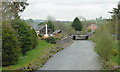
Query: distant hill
x,y
35,20
39,20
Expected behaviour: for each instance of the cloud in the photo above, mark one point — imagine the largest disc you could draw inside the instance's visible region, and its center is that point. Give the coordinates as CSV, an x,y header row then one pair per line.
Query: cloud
x,y
68,9
73,1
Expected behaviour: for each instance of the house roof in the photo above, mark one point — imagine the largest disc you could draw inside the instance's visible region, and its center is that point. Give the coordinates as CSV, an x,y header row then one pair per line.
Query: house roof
x,y
92,26
57,31
41,27
37,28
34,26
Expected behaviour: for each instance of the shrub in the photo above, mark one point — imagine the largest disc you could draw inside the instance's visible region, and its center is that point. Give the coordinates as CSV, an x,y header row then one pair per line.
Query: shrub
x,y
40,35
89,30
104,42
114,52
57,38
26,35
51,40
104,46
35,38
50,24
11,50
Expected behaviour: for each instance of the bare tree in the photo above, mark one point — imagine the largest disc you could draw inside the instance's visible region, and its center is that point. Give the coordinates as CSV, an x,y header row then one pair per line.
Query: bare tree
x,y
10,10
116,17
81,18
59,26
50,18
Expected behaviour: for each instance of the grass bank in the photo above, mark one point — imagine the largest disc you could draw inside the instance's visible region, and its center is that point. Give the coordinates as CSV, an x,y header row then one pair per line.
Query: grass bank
x,y
113,56
33,56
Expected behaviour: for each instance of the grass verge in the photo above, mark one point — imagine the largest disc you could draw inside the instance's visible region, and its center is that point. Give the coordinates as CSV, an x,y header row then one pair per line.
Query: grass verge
x,y
115,59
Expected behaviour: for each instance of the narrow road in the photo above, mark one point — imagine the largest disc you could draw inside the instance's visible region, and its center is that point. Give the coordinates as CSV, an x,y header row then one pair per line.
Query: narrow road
x,y
78,56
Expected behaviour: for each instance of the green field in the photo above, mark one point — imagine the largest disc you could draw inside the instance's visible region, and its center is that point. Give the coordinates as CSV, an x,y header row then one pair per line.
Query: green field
x,y
67,23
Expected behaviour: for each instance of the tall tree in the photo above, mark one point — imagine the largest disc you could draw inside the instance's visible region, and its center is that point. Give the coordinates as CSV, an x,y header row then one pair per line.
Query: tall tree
x,y
116,18
50,24
81,18
77,24
59,26
11,9
11,50
25,35
51,18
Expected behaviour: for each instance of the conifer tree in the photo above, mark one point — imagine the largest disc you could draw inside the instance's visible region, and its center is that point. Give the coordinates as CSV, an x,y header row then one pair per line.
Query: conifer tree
x,y
25,35
11,50
77,24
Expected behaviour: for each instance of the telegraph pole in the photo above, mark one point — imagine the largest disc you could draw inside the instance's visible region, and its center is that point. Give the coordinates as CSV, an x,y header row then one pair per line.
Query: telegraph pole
x,y
46,35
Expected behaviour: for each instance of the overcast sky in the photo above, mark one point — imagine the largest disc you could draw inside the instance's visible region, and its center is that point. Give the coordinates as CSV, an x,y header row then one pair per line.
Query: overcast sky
x,y
68,9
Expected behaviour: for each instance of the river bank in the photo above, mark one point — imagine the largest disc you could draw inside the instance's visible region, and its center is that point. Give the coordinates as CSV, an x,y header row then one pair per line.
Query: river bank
x,y
32,59
112,63
36,58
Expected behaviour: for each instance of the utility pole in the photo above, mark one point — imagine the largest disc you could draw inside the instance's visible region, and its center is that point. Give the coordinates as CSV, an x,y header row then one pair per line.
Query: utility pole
x,y
116,28
46,35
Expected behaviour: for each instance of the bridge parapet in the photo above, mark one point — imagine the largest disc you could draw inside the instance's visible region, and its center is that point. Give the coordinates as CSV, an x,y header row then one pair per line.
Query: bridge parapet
x,y
78,35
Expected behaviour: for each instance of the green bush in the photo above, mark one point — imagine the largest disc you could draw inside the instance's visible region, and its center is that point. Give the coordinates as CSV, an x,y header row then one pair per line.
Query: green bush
x,y
40,35
104,42
114,52
11,50
89,30
51,40
35,38
50,24
26,35
57,38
